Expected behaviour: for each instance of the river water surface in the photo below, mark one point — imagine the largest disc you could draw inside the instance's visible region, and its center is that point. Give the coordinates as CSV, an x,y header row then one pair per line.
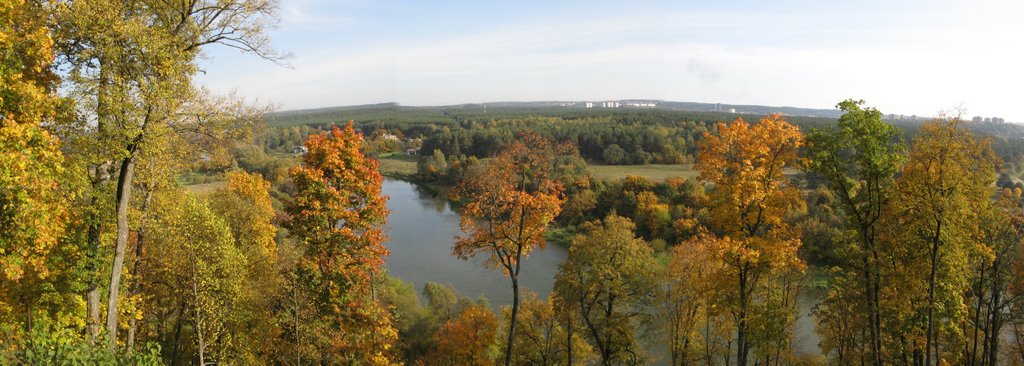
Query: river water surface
x,y
422,229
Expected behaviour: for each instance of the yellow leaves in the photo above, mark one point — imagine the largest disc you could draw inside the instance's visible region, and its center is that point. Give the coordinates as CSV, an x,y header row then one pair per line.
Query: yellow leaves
x,y
245,204
746,163
751,196
25,77
33,210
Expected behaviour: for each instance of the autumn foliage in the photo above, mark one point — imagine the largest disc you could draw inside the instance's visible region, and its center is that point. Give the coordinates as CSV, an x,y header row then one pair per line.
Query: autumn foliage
x,y
509,207
748,205
470,339
337,212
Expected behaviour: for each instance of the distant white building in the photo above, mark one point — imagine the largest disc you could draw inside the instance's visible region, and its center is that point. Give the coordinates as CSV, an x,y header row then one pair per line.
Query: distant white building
x,y
299,150
589,105
388,136
732,110
610,104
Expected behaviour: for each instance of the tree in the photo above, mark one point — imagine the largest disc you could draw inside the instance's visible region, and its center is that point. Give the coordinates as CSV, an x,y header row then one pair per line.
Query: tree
x,y
1002,226
470,339
543,340
432,166
614,155
130,65
859,159
750,199
608,280
337,212
508,208
196,256
944,185
688,292
35,189
245,205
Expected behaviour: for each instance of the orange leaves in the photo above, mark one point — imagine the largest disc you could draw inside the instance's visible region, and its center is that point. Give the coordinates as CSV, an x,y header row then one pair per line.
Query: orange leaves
x,y
338,211
748,204
511,203
746,165
751,195
468,340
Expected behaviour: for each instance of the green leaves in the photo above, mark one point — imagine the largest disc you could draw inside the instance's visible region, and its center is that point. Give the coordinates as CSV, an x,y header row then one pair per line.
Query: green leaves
x,y
608,281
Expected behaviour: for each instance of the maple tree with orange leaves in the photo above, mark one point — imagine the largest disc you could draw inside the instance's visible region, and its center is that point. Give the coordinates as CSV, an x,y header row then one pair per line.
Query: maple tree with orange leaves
x,y
337,212
509,207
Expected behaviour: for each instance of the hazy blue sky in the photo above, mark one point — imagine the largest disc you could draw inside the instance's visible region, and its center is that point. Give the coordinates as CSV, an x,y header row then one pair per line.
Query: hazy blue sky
x,y
909,57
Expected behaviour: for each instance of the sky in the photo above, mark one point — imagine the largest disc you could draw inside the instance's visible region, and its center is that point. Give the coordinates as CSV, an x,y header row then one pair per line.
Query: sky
x,y
903,57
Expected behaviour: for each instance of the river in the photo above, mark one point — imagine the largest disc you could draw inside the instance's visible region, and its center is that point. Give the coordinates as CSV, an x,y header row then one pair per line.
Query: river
x,y
422,228
421,231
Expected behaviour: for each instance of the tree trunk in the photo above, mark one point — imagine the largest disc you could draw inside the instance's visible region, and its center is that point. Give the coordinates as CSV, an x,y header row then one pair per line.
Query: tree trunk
x,y
196,311
977,315
996,323
92,292
868,292
741,327
515,313
568,339
124,193
177,334
100,176
137,268
878,307
929,339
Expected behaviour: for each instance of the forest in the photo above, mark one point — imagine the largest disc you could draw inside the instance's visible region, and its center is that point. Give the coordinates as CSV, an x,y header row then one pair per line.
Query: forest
x,y
910,235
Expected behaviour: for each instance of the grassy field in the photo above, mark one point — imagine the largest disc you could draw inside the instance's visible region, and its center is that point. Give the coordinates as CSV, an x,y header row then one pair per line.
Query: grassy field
x,y
659,172
398,165
206,187
654,172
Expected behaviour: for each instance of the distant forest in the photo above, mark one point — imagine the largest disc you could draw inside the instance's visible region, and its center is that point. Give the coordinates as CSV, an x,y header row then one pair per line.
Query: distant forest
x,y
621,136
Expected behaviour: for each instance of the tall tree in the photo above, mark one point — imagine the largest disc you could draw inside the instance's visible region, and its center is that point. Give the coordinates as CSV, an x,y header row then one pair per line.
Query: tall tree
x,y
687,298
543,339
245,206
859,159
747,206
944,185
337,212
198,259
508,208
609,280
35,188
131,65
1002,227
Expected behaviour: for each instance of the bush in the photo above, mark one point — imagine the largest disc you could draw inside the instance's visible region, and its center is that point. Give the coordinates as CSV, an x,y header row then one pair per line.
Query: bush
x,y
66,348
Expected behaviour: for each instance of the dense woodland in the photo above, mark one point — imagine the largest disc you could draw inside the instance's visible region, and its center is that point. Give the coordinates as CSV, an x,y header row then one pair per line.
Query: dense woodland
x,y
910,235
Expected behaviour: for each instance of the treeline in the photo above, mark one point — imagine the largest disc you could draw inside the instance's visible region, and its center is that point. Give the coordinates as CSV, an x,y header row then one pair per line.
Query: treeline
x,y
639,136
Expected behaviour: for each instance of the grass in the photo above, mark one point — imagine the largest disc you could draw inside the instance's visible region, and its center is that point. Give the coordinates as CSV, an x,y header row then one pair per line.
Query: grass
x,y
661,172
397,166
203,188
653,172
